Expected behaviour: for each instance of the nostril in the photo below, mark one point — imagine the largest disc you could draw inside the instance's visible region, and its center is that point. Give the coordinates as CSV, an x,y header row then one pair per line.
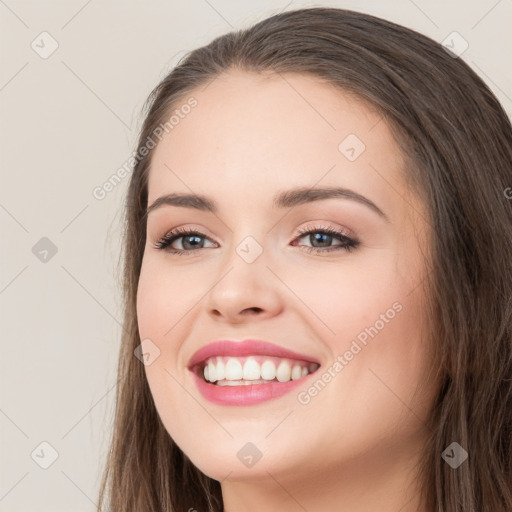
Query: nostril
x,y
254,309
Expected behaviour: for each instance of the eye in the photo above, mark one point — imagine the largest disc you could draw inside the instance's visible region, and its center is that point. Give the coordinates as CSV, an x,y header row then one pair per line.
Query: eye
x,y
191,239
320,237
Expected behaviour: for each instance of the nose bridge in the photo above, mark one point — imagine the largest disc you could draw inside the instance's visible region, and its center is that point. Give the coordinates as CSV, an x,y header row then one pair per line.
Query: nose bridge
x,y
247,258
250,249
247,241
243,281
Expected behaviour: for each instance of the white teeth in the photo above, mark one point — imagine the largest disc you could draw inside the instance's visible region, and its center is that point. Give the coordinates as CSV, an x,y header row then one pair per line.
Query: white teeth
x,y
212,371
268,370
296,372
251,370
233,370
221,369
284,372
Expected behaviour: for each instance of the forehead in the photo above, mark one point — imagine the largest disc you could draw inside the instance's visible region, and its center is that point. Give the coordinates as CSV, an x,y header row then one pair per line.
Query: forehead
x,y
252,132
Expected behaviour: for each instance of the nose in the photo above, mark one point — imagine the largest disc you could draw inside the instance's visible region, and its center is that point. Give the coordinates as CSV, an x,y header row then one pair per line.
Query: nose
x,y
245,292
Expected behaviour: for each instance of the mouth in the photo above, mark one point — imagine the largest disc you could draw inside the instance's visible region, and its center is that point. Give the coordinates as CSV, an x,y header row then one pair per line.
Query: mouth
x,y
248,372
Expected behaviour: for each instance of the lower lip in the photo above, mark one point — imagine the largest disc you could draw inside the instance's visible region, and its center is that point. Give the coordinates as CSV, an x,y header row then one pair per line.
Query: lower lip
x,y
249,394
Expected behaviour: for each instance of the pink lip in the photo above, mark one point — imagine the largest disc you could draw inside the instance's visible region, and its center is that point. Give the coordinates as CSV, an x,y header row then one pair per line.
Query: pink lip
x,y
250,394
245,395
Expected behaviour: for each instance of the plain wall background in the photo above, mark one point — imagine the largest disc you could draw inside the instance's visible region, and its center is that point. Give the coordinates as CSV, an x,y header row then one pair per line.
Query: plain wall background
x,y
68,122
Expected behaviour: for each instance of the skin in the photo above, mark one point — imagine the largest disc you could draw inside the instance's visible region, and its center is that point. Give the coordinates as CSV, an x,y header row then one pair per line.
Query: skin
x,y
357,441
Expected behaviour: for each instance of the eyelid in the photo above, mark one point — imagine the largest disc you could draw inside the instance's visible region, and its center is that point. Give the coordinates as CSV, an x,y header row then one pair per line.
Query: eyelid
x,y
301,231
319,227
189,227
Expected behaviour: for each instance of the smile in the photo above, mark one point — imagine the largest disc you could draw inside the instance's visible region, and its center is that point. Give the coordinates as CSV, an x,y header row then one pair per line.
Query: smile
x,y
248,372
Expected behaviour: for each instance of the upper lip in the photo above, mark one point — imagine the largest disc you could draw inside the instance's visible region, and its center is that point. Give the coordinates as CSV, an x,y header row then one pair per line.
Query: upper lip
x,y
245,348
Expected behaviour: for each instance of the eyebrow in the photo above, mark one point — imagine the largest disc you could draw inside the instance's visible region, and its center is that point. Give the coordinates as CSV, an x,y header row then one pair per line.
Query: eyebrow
x,y
284,199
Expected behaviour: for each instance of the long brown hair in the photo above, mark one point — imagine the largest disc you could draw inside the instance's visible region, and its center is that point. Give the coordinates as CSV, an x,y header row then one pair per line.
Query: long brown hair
x,y
458,142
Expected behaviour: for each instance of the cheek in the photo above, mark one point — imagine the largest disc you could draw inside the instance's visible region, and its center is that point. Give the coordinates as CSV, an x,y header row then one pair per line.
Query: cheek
x,y
346,297
370,395
164,302
165,296
371,315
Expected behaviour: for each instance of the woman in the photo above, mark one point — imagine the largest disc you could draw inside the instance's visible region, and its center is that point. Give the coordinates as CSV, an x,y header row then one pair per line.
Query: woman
x,y
318,306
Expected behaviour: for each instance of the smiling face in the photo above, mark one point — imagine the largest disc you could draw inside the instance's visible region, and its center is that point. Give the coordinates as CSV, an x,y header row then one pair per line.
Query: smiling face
x,y
348,294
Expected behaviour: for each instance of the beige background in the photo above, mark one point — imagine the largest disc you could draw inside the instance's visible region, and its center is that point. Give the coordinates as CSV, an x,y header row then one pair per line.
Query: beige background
x,y
68,122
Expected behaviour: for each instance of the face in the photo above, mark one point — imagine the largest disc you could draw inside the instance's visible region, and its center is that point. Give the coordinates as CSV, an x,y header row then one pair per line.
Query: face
x,y
336,279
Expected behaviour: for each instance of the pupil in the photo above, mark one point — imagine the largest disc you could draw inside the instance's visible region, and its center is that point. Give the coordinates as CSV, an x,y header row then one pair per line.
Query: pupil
x,y
190,237
317,236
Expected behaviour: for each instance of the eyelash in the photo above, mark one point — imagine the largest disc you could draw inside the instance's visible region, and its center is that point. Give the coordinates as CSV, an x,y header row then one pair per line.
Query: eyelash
x,y
349,244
